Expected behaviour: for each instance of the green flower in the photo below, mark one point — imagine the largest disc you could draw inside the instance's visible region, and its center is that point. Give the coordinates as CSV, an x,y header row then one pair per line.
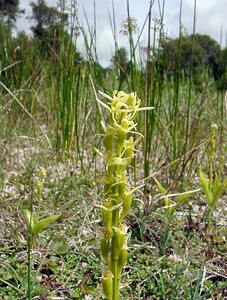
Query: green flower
x,y
119,151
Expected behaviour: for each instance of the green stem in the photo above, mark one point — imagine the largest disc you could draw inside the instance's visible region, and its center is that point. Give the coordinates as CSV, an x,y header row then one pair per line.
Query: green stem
x,y
116,278
39,200
115,218
116,282
211,172
29,294
165,238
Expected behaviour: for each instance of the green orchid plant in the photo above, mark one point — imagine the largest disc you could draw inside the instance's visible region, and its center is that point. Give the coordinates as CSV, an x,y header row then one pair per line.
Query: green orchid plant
x,y
171,205
36,224
212,186
119,147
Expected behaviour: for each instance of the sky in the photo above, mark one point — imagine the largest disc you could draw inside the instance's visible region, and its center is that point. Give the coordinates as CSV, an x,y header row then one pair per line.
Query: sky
x,y
210,19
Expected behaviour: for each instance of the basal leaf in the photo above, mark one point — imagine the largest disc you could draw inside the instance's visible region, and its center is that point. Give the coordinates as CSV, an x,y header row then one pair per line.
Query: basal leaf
x,y
167,201
170,207
205,186
31,219
44,223
159,186
183,197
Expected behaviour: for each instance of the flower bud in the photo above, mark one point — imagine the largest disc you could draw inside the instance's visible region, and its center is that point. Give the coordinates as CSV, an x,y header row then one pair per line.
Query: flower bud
x,y
119,240
39,187
129,147
107,284
122,259
109,143
107,218
104,249
109,139
126,206
131,100
42,174
214,127
121,136
121,184
121,189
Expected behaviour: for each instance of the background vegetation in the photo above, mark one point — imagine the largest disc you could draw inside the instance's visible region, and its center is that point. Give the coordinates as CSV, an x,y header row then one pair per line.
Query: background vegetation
x,y
50,119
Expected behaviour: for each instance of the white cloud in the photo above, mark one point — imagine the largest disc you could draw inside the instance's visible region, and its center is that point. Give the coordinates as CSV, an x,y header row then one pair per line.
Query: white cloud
x,y
210,18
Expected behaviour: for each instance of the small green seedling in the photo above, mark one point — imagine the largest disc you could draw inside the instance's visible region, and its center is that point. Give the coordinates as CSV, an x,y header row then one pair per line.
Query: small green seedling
x,y
36,225
119,147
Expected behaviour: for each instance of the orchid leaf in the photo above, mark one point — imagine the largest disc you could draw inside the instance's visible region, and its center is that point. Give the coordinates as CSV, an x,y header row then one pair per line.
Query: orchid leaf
x,y
206,187
44,223
183,197
31,219
159,186
170,207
